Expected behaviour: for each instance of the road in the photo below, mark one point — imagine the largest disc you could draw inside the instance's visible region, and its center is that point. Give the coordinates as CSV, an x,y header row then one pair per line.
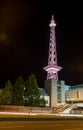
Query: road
x,y
38,125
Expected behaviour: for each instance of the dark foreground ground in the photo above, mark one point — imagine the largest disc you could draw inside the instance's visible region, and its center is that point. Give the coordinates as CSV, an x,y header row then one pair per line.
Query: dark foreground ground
x,y
41,125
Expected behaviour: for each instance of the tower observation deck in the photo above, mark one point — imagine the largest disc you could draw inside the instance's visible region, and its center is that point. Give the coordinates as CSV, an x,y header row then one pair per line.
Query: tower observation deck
x,y
52,68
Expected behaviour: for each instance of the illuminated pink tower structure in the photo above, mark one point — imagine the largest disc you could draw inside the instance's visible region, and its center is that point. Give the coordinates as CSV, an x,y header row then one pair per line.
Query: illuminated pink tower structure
x,y
52,68
53,86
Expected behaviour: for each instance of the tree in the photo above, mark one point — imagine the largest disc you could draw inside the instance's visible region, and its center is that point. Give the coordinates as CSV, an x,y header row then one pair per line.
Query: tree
x,y
18,92
32,93
6,94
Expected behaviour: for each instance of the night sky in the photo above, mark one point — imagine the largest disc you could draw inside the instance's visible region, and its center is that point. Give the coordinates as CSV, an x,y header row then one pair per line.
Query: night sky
x,y
24,40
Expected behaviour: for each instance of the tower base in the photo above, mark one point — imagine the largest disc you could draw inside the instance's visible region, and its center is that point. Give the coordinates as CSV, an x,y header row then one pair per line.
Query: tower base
x,y
56,91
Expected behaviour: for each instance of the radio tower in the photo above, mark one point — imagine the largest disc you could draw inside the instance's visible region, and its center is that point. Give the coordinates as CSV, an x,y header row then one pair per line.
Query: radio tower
x,y
52,68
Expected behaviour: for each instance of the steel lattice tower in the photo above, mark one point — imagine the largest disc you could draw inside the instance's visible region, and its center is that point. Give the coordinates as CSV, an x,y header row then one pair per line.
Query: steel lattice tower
x,y
52,68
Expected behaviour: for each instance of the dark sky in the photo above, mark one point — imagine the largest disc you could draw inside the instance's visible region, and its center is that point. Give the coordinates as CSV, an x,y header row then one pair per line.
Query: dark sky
x,y
24,40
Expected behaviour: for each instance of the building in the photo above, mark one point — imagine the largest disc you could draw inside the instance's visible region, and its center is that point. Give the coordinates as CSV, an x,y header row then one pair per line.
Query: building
x,y
75,94
67,87
53,86
45,95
